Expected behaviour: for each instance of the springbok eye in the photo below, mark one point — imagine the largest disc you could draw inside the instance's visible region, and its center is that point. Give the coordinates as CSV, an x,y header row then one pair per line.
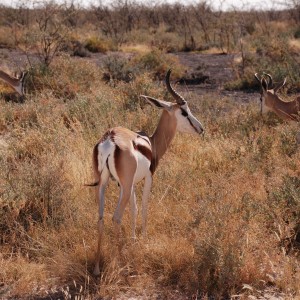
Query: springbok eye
x,y
184,113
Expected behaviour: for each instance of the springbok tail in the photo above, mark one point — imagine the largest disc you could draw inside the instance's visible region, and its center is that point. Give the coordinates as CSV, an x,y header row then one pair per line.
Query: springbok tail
x,y
92,184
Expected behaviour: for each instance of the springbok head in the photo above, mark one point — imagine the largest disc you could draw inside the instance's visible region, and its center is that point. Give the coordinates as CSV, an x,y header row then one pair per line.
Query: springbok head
x,y
179,111
17,83
267,89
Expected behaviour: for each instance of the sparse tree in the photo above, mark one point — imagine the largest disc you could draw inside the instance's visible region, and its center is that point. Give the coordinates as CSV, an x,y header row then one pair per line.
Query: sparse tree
x,y
49,32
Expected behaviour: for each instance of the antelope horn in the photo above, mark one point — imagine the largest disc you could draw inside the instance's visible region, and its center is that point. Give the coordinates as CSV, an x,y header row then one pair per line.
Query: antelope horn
x,y
256,76
270,84
179,99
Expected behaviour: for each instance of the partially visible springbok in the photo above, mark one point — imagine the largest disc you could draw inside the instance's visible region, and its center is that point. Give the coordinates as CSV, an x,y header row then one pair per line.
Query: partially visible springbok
x,y
16,83
128,157
270,101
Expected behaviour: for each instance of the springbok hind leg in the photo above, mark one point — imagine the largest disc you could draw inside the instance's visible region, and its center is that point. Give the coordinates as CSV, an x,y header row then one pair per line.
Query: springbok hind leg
x,y
146,192
98,253
134,211
125,193
126,166
100,193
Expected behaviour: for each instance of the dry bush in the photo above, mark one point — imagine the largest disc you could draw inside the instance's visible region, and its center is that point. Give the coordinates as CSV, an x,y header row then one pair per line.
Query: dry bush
x,y
170,27
274,55
157,63
7,39
119,67
142,85
166,41
96,45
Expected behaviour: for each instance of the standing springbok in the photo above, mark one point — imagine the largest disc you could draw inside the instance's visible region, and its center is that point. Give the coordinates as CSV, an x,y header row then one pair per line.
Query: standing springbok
x,y
16,83
272,102
129,157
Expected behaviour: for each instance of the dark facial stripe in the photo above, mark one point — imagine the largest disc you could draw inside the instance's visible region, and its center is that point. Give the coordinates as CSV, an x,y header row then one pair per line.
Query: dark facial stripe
x,y
183,112
192,124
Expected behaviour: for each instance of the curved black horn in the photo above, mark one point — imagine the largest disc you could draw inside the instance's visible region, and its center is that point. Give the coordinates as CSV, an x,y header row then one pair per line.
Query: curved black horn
x,y
270,84
179,99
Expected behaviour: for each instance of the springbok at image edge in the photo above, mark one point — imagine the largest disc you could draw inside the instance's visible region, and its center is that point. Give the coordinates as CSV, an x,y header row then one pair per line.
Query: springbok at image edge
x,y
16,83
270,101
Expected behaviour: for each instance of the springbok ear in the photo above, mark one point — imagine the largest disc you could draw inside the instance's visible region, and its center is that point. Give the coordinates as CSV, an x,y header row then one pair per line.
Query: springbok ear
x,y
279,85
158,103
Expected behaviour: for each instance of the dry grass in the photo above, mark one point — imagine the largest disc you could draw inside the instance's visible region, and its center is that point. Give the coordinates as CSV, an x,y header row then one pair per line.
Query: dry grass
x,y
135,48
213,50
295,45
221,213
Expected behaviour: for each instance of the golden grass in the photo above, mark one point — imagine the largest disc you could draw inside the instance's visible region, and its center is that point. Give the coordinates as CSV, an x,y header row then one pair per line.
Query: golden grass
x,y
294,44
213,50
220,212
135,48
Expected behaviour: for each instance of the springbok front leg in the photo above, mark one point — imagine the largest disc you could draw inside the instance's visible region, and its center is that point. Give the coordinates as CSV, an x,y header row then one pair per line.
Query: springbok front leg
x,y
146,192
100,193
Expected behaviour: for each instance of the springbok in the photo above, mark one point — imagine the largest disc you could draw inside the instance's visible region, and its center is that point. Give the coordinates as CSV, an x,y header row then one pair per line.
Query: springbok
x,y
16,83
128,157
272,102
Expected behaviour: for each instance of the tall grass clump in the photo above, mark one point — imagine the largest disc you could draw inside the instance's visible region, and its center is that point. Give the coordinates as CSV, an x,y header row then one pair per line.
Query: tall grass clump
x,y
118,68
157,63
63,79
98,45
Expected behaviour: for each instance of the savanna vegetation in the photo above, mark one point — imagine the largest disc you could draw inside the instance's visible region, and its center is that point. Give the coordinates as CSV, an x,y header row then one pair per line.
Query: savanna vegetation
x,y
224,212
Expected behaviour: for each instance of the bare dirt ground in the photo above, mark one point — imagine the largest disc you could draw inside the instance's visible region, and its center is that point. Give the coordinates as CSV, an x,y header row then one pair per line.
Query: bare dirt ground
x,y
219,68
